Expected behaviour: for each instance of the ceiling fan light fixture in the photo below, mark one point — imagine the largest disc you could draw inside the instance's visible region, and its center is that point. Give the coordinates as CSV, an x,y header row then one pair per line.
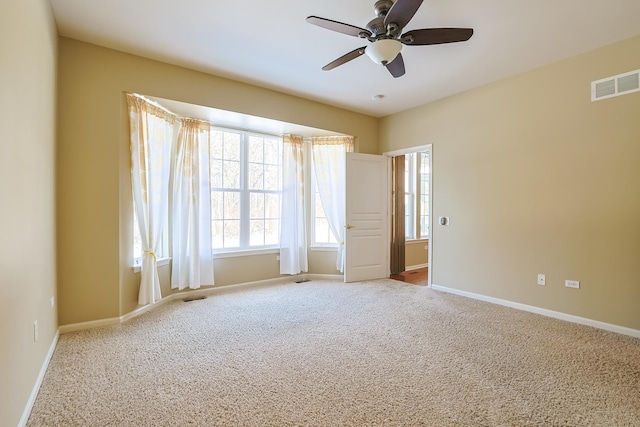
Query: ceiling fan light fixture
x,y
383,51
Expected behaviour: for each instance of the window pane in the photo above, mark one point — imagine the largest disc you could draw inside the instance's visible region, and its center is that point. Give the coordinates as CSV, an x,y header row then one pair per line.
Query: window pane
x,y
256,149
408,219
231,147
217,205
231,174
322,230
215,169
272,206
256,176
424,163
410,189
231,205
231,234
256,236
271,177
407,178
216,145
272,151
424,183
424,226
424,195
272,232
256,210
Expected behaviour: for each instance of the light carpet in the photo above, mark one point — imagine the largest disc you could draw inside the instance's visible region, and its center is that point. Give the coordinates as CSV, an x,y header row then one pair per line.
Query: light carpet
x,y
326,353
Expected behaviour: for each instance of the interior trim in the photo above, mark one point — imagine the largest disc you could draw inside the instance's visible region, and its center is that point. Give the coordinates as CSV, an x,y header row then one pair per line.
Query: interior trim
x,y
543,311
36,387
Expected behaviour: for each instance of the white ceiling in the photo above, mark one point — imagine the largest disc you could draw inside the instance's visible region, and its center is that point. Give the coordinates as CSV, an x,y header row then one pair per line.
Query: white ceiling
x,y
269,44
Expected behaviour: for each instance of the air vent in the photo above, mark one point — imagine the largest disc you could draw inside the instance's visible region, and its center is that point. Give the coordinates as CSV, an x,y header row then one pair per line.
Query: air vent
x,y
621,84
629,83
194,298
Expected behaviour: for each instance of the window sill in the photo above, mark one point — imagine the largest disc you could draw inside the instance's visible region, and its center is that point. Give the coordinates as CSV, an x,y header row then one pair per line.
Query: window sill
x,y
162,261
324,248
248,252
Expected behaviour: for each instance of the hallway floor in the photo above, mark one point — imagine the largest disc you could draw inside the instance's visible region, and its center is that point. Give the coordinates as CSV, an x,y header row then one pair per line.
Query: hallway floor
x,y
416,277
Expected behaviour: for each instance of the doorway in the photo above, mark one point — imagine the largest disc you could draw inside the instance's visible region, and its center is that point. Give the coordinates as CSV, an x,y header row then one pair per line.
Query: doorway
x,y
411,219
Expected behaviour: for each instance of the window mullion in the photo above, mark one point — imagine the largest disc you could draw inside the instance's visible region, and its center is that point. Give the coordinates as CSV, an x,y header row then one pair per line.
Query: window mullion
x,y
244,191
417,179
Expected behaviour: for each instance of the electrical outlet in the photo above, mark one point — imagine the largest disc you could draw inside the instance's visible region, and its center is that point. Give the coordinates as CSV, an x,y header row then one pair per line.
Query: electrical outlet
x,y
52,302
542,280
277,257
35,331
572,284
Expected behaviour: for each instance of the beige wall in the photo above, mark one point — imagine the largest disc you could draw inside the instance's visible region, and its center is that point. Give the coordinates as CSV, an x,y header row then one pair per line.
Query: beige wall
x,y
416,253
538,179
27,216
95,250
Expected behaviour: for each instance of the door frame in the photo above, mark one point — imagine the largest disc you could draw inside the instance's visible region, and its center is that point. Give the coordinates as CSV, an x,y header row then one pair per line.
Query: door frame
x,y
417,149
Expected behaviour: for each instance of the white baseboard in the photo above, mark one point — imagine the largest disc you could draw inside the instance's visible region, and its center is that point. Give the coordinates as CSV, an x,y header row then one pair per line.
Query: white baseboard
x,y
542,311
74,327
209,290
415,267
36,386
323,277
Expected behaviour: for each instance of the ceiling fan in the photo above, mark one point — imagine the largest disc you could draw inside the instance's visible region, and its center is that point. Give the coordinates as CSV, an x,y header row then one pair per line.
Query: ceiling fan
x,y
384,33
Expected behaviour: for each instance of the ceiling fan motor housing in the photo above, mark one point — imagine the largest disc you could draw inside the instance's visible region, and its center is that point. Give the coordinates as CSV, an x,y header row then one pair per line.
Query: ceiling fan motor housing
x,y
376,26
382,7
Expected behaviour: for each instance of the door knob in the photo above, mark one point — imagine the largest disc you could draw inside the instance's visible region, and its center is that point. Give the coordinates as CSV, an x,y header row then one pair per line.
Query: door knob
x,y
349,226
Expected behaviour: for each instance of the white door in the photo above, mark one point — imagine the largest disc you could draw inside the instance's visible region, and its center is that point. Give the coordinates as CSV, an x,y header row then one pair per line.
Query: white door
x,y
366,234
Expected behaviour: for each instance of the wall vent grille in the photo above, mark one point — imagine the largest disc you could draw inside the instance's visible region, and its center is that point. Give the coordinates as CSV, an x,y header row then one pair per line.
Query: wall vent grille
x,y
621,84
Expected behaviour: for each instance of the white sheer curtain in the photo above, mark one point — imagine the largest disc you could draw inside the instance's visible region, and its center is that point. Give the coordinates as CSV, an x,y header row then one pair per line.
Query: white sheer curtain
x,y
192,262
293,236
151,130
329,163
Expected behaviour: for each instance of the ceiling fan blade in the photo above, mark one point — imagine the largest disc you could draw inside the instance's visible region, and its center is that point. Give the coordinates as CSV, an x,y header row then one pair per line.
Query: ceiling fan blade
x,y
396,67
401,12
436,36
345,58
340,27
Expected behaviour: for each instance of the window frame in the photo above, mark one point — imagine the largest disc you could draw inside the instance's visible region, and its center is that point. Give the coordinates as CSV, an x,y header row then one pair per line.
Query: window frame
x,y
421,191
312,190
413,188
244,191
410,190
